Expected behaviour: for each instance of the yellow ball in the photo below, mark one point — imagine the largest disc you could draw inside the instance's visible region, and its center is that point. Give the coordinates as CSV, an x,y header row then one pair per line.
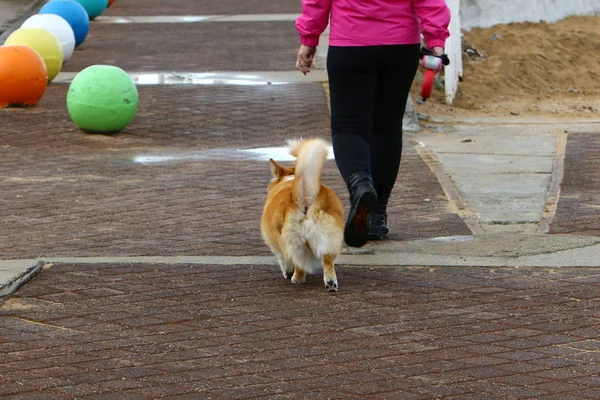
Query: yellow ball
x,y
44,43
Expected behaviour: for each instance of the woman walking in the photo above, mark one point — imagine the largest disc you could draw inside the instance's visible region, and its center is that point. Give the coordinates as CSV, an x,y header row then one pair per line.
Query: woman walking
x,y
372,60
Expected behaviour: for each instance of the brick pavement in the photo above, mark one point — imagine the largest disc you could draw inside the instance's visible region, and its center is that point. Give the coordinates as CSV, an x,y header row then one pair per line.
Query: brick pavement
x,y
75,194
180,331
579,204
206,46
199,7
187,117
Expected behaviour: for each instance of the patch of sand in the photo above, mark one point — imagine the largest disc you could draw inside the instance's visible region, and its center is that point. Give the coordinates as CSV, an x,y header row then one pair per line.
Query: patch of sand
x,y
527,69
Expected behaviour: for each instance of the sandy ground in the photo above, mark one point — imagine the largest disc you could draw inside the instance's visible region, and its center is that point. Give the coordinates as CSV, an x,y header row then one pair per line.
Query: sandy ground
x,y
527,69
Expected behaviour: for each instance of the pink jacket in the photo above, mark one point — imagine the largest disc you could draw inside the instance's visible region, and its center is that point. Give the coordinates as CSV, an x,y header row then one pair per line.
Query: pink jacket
x,y
374,22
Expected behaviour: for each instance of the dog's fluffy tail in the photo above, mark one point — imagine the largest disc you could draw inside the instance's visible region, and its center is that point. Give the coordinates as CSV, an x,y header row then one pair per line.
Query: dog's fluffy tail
x,y
311,156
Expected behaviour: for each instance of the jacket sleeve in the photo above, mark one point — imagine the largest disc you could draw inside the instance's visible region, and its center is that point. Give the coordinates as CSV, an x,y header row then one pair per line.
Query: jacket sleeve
x,y
435,18
313,21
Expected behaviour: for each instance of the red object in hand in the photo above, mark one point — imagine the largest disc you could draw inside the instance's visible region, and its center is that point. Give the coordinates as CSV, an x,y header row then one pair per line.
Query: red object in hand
x,y
427,85
432,65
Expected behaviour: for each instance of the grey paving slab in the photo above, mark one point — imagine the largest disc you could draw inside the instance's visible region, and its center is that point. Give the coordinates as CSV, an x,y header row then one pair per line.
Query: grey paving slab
x,y
496,185
586,256
502,173
11,270
499,140
504,198
13,10
512,245
465,163
512,209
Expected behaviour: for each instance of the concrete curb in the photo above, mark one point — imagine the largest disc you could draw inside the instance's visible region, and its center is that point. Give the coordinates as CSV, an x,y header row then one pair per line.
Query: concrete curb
x,y
14,285
485,251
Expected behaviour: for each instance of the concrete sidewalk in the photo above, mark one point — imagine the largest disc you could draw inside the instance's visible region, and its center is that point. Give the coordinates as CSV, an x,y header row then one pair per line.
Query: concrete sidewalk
x,y
131,266
14,11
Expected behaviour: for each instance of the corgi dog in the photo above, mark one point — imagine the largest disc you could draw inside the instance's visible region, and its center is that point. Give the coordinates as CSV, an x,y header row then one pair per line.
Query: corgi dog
x,y
303,220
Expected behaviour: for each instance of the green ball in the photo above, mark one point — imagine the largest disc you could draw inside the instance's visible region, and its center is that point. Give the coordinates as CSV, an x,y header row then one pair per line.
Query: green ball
x,y
102,99
94,7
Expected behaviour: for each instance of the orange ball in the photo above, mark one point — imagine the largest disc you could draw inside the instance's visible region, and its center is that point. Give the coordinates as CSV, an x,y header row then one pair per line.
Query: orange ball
x,y
23,76
110,2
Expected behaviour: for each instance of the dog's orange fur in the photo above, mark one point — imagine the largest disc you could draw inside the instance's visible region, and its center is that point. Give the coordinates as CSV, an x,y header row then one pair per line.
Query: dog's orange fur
x,y
303,220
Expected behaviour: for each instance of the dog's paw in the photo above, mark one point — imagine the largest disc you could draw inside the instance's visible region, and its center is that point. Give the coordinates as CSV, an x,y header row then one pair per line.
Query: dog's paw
x,y
298,277
287,269
331,286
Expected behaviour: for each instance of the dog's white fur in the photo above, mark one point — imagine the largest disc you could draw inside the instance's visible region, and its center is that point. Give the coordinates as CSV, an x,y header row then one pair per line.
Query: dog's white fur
x,y
303,219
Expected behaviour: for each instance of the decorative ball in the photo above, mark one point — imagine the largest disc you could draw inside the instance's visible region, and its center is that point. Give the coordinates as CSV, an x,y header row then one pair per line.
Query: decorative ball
x,y
59,27
73,13
23,76
44,43
102,99
110,2
94,7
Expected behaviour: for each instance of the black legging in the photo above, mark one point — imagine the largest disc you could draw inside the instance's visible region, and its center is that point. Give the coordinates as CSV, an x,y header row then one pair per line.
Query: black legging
x,y
369,88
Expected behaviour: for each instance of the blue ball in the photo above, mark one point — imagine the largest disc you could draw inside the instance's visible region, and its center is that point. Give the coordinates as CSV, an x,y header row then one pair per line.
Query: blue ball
x,y
73,13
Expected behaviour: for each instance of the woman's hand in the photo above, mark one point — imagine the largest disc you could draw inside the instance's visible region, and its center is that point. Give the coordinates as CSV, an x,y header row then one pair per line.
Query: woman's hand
x,y
437,51
306,55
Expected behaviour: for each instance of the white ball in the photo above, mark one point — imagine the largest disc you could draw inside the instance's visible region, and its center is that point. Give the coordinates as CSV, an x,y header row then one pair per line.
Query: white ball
x,y
59,27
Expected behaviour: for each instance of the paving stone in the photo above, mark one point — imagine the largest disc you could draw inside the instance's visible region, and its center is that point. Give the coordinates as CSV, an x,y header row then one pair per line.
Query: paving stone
x,y
222,345
46,395
194,47
577,210
186,7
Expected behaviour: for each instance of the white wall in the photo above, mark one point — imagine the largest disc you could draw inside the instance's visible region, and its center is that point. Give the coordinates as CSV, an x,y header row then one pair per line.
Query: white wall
x,y
485,13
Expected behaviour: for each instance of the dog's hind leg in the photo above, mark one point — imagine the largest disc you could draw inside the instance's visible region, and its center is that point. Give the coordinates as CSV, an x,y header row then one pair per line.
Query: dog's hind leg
x,y
329,276
299,275
287,268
